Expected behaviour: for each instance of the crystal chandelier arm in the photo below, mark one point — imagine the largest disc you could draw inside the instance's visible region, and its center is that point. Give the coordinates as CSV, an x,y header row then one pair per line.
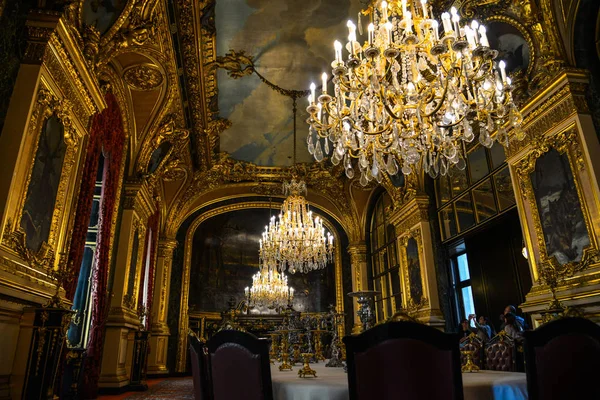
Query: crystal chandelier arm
x,y
442,99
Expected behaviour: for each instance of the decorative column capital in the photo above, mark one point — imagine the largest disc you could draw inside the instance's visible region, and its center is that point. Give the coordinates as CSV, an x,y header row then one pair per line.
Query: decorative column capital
x,y
166,247
357,248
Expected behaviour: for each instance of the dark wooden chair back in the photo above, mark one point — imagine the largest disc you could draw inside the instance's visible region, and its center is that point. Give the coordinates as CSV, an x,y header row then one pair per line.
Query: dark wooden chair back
x,y
403,359
563,360
199,361
473,344
500,353
239,366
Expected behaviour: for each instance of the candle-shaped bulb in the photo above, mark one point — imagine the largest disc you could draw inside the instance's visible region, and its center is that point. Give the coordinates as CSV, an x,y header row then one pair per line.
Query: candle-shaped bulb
x,y
455,21
435,26
424,8
388,28
403,7
410,87
502,66
453,11
324,79
313,87
446,22
338,51
371,30
408,20
384,10
483,40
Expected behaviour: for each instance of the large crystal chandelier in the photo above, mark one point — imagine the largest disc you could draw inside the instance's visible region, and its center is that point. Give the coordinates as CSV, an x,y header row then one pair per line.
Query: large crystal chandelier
x,y
410,94
296,241
269,289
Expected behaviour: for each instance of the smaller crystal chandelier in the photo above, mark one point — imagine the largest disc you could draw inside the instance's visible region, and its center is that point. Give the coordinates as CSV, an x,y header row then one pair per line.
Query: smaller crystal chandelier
x,y
296,241
269,289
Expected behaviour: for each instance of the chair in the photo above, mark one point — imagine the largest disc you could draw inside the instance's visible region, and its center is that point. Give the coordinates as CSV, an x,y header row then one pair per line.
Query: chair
x,y
473,344
563,360
199,361
406,359
500,353
239,366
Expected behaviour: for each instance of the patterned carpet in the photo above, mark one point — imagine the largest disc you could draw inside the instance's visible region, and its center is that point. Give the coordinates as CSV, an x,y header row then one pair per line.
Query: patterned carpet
x,y
175,388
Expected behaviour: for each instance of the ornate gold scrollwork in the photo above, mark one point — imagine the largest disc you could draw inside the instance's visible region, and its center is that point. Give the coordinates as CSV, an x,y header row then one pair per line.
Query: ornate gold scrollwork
x,y
47,104
236,63
412,304
565,142
143,77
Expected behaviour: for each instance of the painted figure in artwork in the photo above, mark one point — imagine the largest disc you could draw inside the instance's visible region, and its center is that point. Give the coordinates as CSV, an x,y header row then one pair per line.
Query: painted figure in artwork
x,y
36,220
559,208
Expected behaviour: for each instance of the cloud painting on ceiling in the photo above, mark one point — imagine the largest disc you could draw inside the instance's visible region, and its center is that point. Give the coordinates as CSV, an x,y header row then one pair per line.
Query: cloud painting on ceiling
x,y
291,43
102,13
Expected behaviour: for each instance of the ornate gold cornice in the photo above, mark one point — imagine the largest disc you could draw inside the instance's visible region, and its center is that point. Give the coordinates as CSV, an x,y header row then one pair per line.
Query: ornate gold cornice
x,y
138,196
322,180
552,105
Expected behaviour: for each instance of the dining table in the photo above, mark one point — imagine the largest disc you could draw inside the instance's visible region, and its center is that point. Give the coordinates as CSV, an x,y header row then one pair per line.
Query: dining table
x,y
332,384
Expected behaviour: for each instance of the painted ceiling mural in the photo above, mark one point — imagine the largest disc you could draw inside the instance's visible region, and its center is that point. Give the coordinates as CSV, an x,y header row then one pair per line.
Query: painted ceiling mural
x,y
291,43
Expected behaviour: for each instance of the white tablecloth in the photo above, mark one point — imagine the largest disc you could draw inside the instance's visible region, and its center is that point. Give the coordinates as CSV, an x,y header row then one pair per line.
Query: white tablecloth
x,y
332,384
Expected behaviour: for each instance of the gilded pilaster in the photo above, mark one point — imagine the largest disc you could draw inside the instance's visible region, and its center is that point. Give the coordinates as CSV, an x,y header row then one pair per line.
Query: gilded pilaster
x,y
123,321
157,359
358,261
411,221
557,119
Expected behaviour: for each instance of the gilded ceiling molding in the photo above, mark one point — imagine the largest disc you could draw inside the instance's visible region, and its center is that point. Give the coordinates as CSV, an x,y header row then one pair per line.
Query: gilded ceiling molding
x,y
198,48
326,182
143,77
563,97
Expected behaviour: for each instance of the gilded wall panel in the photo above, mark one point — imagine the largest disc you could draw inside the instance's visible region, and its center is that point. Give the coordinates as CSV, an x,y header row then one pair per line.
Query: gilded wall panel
x,y
560,205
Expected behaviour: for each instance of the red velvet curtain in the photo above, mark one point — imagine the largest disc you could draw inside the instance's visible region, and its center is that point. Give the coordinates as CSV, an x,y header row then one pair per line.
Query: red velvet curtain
x,y
107,129
153,226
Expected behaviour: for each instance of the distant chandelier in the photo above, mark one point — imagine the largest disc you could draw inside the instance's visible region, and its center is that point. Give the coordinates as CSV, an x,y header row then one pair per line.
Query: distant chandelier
x,y
269,289
296,241
409,96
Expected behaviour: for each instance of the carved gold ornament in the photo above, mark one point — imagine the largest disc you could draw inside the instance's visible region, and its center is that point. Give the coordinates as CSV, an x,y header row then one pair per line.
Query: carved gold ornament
x,y
565,142
143,77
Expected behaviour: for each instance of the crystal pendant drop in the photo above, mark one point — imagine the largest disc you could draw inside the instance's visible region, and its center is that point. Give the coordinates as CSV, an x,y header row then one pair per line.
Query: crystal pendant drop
x,y
391,165
363,179
318,152
349,172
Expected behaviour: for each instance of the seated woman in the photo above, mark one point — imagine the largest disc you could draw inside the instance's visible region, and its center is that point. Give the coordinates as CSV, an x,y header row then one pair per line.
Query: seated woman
x,y
465,330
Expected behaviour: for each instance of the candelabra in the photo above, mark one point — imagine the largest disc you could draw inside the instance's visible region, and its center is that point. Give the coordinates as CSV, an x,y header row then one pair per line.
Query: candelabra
x,y
365,313
410,95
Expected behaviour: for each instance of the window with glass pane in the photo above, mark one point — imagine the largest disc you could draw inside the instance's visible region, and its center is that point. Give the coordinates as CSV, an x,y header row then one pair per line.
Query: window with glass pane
x,y
497,155
464,212
443,190
448,222
478,165
485,202
384,271
79,328
504,189
462,285
476,194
